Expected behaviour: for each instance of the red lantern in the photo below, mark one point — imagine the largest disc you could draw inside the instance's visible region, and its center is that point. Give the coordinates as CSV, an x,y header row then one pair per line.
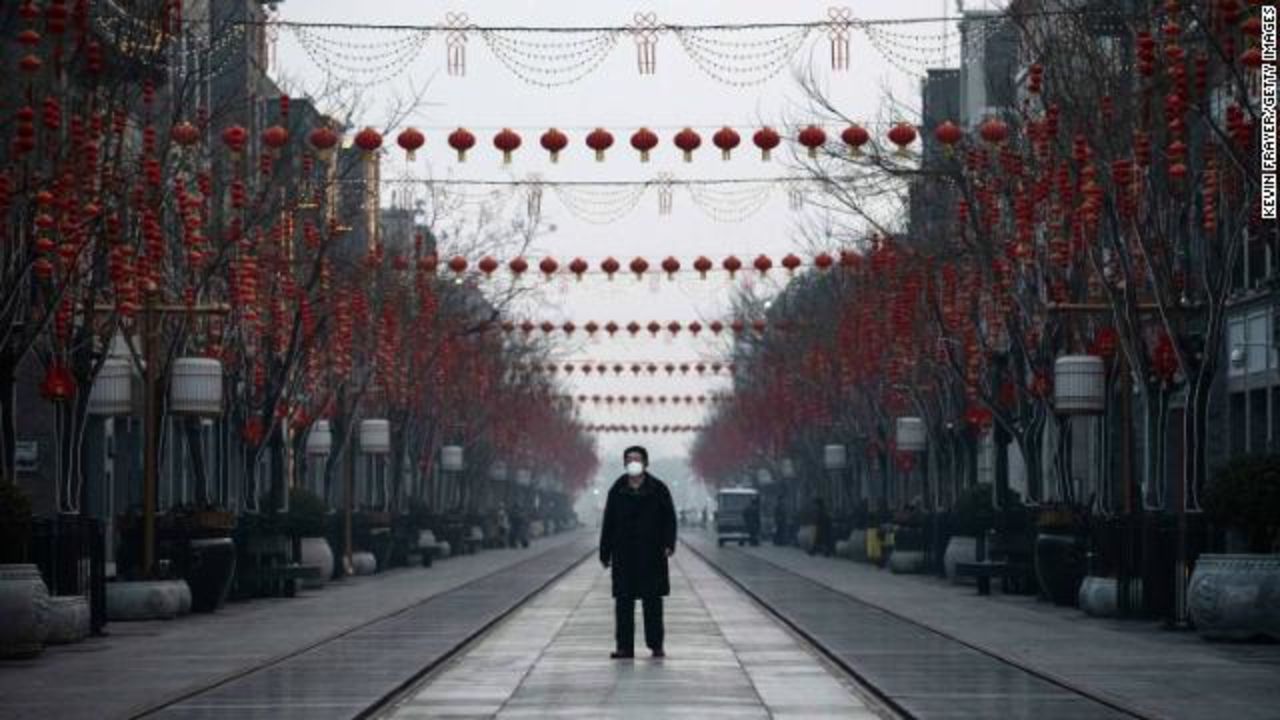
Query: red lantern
x,y
518,266
644,140
368,140
600,140
695,327
654,328
763,264
994,131
58,384
791,262
688,141
673,327
732,265
234,138
823,261
578,267
726,138
548,266
855,136
716,328
568,328
612,328
323,140
639,266
184,134
553,141
592,328
458,264
766,138
812,137
902,135
488,265
508,142
610,267
275,137
410,140
948,133
633,327
703,266
461,140
670,266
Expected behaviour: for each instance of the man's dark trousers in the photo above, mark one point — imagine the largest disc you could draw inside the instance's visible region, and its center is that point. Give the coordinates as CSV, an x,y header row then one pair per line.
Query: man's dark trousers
x,y
625,622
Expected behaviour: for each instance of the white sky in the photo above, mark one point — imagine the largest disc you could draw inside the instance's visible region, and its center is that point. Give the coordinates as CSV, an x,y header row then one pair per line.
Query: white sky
x,y
616,97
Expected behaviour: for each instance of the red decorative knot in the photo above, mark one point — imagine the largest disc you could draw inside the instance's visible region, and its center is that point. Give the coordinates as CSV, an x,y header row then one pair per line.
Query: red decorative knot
x,y
410,140
461,140
275,137
644,140
902,135
184,134
726,138
766,138
507,141
994,131
610,267
703,265
554,141
812,137
732,265
688,141
670,266
639,266
600,140
548,266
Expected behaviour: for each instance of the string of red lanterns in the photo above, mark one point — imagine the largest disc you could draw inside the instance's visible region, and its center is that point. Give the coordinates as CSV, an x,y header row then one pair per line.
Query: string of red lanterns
x,y
643,429
635,327
610,267
646,399
636,368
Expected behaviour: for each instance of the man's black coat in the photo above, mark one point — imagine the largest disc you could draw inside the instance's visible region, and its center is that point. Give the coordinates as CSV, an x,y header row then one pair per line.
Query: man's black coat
x,y
639,527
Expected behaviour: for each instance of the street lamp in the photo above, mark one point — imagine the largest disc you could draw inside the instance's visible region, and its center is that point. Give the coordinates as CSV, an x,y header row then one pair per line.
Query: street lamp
x,y
1240,360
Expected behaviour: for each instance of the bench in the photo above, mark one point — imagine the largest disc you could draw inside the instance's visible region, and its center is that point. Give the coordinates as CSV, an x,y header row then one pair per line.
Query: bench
x,y
281,580
983,571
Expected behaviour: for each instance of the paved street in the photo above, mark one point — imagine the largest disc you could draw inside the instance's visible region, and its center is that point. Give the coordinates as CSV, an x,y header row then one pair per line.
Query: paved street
x,y
726,659
1137,664
143,664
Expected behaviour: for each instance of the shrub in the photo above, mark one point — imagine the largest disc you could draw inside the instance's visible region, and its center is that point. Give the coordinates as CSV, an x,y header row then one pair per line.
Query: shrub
x,y
1245,494
307,514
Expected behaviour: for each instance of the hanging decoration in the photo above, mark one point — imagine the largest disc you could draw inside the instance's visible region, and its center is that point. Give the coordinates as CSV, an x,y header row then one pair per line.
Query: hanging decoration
x,y
645,32
838,29
456,43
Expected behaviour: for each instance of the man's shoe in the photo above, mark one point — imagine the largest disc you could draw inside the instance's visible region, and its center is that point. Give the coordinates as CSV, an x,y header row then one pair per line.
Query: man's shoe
x,y
659,653
619,655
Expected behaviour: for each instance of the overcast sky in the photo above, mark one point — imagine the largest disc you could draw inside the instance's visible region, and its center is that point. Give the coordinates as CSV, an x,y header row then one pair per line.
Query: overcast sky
x,y
616,97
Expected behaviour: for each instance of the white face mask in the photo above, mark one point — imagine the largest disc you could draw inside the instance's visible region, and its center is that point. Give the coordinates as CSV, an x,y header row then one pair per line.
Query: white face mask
x,y
635,468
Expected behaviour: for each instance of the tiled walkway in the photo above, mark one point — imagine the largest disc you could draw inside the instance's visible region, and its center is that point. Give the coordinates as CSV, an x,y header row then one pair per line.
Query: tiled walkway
x,y
725,659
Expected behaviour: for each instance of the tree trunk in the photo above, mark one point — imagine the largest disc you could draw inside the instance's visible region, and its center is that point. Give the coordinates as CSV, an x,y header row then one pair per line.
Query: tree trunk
x,y
8,424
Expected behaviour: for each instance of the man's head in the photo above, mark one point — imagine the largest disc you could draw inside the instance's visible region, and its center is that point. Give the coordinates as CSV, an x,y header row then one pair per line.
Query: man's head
x,y
636,459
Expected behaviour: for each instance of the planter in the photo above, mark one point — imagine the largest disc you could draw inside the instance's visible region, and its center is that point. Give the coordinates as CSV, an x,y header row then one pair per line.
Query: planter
x,y
68,620
855,548
1060,566
806,536
1236,597
316,551
210,571
1099,596
363,563
960,548
24,607
903,562
147,600
535,529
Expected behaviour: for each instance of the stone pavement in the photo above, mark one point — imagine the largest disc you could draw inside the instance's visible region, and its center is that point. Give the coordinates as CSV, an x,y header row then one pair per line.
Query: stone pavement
x,y
1161,673
143,664
726,658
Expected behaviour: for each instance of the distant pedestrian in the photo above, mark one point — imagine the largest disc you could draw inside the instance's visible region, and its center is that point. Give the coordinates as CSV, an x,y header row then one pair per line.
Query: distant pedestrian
x,y
751,518
780,523
638,535
822,536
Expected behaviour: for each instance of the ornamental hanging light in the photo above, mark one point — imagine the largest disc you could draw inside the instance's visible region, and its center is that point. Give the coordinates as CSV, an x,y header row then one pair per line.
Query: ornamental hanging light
x,y
644,140
703,265
461,140
670,266
812,137
410,140
518,266
639,266
548,266
763,264
726,138
902,135
507,141
323,140
688,141
948,133
553,141
184,134
600,140
731,265
487,266
994,131
578,267
855,136
610,267
766,138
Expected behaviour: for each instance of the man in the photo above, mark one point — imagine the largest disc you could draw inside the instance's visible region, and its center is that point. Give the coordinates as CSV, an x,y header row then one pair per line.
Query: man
x,y
636,538
751,518
823,542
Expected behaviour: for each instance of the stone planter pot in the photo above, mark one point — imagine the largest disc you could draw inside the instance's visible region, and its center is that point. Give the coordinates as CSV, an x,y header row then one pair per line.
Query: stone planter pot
x,y
806,536
364,563
858,545
24,609
210,572
960,548
535,529
316,551
147,600
1060,566
1236,597
902,562
1100,596
68,619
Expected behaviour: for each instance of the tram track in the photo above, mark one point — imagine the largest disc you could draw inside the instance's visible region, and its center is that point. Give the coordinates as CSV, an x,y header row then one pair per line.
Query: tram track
x,y
877,646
